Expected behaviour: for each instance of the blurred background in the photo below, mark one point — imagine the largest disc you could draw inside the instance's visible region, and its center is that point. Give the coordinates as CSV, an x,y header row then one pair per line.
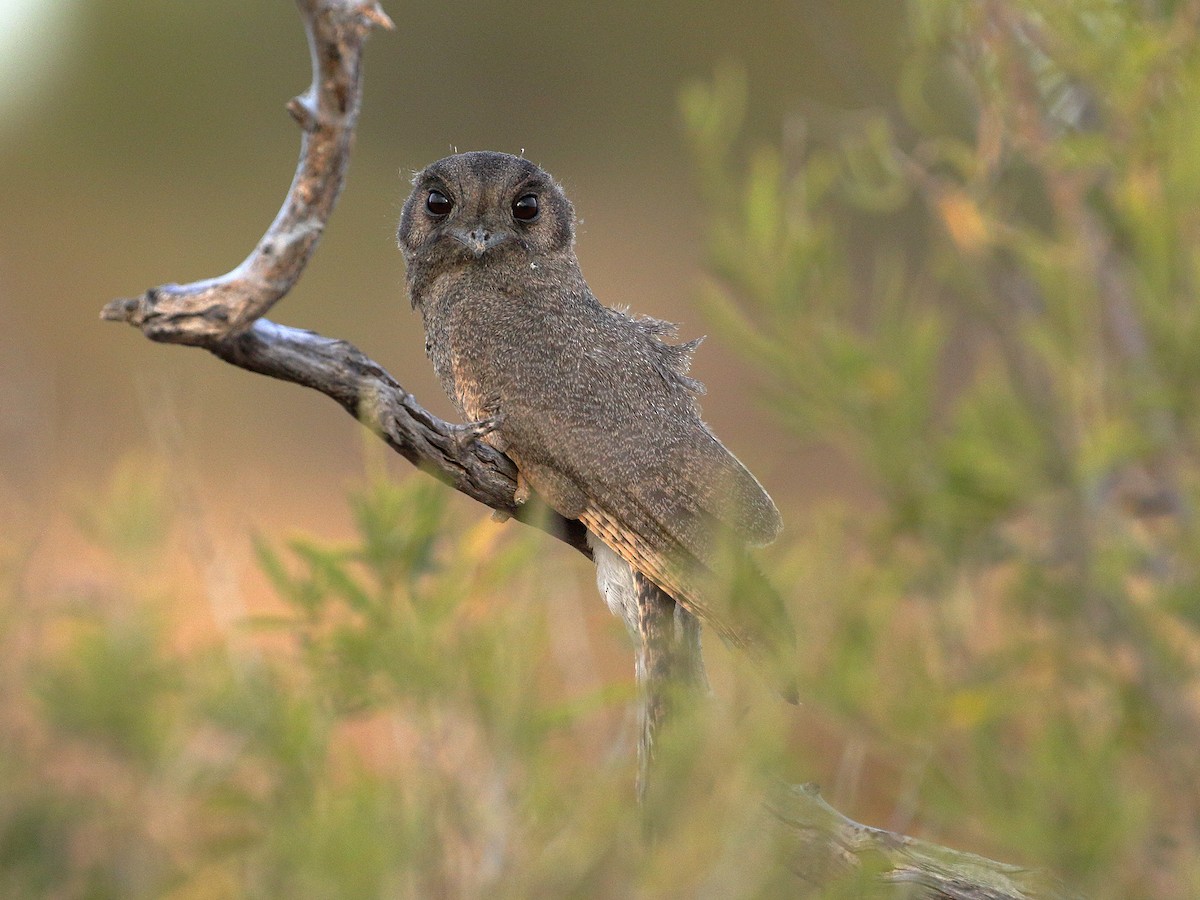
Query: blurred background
x,y
944,254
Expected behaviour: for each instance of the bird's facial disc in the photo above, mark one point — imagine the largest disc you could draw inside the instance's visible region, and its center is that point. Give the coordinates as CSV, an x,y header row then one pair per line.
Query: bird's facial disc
x,y
490,221
492,230
481,205
476,231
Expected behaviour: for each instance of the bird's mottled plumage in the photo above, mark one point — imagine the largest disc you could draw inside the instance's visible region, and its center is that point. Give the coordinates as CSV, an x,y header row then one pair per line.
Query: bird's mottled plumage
x,y
593,405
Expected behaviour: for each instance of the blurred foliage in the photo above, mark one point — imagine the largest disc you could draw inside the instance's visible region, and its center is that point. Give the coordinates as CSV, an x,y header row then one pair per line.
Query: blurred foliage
x,y
983,298
412,735
1010,363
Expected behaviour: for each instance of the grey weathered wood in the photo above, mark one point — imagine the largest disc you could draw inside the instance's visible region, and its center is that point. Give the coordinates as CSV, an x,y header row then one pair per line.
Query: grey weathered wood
x,y
224,314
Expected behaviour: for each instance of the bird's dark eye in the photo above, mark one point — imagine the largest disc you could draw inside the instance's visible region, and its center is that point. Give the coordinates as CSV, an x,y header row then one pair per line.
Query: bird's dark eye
x,y
438,204
525,207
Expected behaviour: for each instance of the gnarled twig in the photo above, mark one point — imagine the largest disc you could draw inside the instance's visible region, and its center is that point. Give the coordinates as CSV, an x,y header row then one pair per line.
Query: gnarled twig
x,y
224,314
827,844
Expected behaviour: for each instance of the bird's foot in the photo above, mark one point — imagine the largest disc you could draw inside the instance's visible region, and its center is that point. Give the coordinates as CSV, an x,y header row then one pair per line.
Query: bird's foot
x,y
521,494
470,432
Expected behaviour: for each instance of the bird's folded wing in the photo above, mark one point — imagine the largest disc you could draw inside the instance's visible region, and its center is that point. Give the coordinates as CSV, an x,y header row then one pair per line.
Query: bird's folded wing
x,y
672,501
724,589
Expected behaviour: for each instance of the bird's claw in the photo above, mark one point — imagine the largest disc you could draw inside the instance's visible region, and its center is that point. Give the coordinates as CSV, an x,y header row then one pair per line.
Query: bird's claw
x,y
471,432
521,496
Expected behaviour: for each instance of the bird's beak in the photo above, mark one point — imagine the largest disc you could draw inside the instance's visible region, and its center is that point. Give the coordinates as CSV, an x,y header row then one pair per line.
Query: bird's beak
x,y
478,240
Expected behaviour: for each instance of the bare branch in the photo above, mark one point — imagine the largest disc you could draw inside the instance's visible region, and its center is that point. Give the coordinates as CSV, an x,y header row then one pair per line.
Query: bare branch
x,y
327,112
827,844
223,314
341,371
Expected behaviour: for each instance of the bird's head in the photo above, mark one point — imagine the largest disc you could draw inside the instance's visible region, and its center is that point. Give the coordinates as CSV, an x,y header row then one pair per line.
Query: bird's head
x,y
476,208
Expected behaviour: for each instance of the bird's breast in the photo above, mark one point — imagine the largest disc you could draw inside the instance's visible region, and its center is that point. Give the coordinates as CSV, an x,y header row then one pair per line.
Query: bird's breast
x,y
469,392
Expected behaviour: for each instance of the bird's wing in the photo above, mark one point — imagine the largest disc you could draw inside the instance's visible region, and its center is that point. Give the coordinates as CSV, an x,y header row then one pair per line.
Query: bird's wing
x,y
614,419
724,589
683,520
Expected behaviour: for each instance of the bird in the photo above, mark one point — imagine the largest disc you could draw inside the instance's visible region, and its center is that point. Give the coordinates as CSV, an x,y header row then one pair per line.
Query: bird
x,y
594,405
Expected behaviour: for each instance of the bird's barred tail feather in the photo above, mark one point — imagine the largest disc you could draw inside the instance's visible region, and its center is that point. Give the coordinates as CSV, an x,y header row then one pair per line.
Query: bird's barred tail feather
x,y
738,602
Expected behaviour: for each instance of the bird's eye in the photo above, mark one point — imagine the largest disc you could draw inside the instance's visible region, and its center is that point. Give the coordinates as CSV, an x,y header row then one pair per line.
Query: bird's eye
x,y
525,207
438,204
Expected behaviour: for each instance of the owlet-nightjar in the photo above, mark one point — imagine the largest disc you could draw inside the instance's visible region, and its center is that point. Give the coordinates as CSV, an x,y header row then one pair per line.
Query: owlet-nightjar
x,y
594,406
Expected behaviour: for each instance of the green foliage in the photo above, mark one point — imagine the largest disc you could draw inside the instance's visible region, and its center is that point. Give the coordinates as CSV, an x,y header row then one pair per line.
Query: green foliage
x,y
110,686
984,300
412,734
